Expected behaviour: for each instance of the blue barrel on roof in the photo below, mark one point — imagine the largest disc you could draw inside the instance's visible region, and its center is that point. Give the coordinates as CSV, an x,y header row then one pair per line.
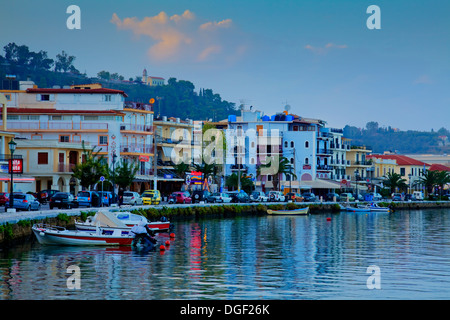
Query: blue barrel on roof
x,y
265,118
289,117
231,118
272,118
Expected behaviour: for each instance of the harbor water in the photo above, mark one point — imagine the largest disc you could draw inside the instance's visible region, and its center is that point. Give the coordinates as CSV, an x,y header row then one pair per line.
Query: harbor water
x,y
402,255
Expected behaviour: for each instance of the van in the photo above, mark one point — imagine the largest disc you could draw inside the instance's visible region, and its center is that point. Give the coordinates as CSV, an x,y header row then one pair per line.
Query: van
x,y
417,195
88,199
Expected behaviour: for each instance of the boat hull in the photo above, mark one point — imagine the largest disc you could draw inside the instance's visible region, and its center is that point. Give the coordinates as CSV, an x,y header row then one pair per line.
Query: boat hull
x,y
302,211
64,237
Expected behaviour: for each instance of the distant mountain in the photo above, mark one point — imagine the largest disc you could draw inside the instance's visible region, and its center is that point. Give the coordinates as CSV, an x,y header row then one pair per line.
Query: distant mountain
x,y
405,142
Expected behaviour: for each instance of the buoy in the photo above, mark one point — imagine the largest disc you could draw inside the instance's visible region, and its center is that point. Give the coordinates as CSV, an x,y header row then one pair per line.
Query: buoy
x,y
167,243
328,219
172,235
162,248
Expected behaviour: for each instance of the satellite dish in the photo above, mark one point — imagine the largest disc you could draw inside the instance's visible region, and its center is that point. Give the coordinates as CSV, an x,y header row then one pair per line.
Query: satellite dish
x,y
287,107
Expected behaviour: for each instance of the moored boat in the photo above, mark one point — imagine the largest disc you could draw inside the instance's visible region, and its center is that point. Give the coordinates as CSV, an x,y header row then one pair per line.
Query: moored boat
x,y
300,211
53,235
357,209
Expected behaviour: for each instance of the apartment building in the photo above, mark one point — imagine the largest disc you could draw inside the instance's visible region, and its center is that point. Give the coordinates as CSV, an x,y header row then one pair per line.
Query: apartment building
x,y
62,118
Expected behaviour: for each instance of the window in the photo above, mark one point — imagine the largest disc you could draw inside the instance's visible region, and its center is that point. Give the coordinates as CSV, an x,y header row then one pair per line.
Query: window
x,y
64,138
90,118
306,144
108,97
36,136
292,144
7,96
42,158
402,171
45,97
306,160
285,144
103,140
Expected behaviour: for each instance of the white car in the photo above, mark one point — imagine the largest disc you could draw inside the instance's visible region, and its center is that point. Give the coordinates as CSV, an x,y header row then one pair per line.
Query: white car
x,y
276,196
258,196
133,198
221,197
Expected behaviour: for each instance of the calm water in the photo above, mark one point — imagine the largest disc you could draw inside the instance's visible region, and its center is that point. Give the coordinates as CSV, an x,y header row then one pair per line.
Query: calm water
x,y
252,258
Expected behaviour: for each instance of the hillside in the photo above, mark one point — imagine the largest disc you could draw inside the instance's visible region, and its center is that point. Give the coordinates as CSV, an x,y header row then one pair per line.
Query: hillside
x,y
179,97
404,142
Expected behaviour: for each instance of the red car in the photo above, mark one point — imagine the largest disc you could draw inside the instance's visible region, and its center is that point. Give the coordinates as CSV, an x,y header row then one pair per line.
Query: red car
x,y
180,197
3,198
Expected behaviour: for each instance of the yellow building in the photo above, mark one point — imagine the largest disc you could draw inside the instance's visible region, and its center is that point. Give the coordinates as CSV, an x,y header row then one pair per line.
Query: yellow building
x,y
358,165
151,81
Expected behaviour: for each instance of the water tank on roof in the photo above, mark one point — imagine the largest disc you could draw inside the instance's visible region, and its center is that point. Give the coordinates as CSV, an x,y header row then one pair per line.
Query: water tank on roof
x,y
289,117
231,118
265,118
272,118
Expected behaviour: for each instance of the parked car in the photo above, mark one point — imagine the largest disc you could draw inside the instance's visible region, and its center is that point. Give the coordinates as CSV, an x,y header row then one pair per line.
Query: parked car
x,y
332,197
219,197
22,201
276,196
239,197
309,197
258,196
418,195
199,195
3,198
151,197
373,196
132,197
88,199
180,197
62,200
347,197
397,197
295,197
44,196
106,197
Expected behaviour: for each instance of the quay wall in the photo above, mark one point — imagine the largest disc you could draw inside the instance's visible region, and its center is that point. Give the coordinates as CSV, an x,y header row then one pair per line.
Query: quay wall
x,y
16,227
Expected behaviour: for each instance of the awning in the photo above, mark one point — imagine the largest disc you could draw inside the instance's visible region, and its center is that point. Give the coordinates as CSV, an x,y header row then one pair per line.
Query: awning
x,y
167,151
17,178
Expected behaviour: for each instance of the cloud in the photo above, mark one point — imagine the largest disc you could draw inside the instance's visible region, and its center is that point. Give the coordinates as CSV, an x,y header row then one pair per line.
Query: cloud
x,y
183,37
325,49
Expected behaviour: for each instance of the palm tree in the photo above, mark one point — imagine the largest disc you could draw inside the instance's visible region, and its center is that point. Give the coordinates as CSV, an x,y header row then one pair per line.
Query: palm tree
x,y
442,178
429,180
284,167
181,169
394,180
206,169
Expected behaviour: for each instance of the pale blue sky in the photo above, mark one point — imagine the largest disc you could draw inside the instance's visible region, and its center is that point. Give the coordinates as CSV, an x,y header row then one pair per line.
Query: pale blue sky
x,y
319,56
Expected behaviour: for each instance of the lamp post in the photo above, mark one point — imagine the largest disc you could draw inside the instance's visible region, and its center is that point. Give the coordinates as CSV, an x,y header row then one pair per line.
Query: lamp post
x,y
356,183
12,148
114,156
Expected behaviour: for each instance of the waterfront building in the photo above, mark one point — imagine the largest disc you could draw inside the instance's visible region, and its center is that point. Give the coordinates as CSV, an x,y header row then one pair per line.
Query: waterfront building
x,y
99,117
310,147
173,140
408,168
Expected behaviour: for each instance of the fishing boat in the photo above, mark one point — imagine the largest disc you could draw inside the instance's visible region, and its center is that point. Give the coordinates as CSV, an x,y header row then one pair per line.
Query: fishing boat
x,y
300,211
373,207
53,235
123,221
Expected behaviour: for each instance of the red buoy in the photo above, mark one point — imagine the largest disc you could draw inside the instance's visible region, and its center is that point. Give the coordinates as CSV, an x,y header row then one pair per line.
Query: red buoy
x,y
328,219
162,248
172,235
167,243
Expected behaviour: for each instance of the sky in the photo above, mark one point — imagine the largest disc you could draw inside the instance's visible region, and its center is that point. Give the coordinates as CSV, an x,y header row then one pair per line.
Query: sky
x,y
317,56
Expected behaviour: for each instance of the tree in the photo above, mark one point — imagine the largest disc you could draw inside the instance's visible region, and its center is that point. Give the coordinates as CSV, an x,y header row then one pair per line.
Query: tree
x,y
64,62
282,167
232,182
181,169
40,61
394,180
429,180
15,54
442,178
104,75
89,171
124,174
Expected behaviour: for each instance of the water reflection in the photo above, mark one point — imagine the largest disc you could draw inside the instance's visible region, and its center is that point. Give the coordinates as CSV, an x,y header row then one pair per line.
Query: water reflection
x,y
265,257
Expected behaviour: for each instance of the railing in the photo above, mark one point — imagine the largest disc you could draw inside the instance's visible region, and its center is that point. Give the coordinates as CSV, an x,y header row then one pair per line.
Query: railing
x,y
138,106
324,167
324,151
63,167
136,127
56,125
136,148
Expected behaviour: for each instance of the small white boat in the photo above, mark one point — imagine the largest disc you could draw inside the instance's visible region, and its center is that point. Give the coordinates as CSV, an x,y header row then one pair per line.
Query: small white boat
x,y
373,207
300,211
124,221
52,235
357,209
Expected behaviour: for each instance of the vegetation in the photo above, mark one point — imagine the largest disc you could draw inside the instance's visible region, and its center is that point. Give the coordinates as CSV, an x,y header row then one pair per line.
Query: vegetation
x,y
89,171
384,139
283,167
395,181
433,180
177,98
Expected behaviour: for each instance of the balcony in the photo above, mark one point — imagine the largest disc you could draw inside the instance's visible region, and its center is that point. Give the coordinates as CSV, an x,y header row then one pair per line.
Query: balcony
x,y
321,167
138,106
237,167
66,167
324,152
62,126
136,127
136,148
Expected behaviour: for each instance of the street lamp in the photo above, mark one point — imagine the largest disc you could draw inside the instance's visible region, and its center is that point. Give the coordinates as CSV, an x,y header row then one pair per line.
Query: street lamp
x,y
12,148
356,183
114,156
